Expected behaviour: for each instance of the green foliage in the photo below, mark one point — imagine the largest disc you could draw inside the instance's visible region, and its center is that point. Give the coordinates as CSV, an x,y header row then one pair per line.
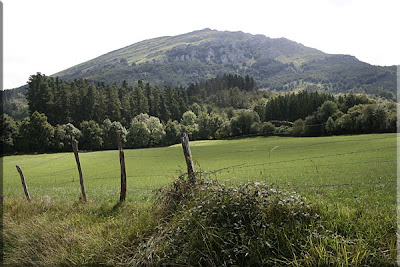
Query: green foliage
x,y
81,100
214,225
208,125
350,100
209,224
114,103
138,134
283,130
189,124
196,108
63,136
330,126
140,100
267,128
145,131
219,83
153,95
156,129
225,130
39,95
172,133
35,134
188,118
8,133
298,128
91,135
295,106
366,119
206,129
327,109
109,133
245,122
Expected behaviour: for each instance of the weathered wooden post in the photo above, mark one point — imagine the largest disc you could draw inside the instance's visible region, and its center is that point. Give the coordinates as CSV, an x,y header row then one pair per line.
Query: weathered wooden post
x,y
188,157
78,164
28,197
123,171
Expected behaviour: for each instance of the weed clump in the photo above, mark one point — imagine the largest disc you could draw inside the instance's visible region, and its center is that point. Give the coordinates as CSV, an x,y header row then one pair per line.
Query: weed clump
x,y
210,224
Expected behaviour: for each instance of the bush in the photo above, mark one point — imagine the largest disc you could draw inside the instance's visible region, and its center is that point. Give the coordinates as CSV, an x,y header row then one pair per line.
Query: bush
x,y
268,128
298,128
91,135
172,133
35,134
213,225
245,122
253,224
283,130
63,135
9,132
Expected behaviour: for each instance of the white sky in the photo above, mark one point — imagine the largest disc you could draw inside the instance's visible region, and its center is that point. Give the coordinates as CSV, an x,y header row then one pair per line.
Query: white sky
x,y
51,35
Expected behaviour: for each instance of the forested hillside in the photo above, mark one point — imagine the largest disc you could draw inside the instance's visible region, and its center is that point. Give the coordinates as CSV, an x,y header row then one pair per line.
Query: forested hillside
x,y
222,107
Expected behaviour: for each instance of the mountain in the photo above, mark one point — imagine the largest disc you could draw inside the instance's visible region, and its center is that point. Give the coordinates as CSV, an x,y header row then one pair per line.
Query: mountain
x,y
275,64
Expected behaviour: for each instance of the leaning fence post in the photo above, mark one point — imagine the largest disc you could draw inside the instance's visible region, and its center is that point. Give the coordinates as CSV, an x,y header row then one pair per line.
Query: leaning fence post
x,y
78,164
123,171
188,157
23,183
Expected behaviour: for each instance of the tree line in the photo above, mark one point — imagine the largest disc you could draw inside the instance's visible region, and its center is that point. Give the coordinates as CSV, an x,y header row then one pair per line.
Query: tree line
x,y
147,116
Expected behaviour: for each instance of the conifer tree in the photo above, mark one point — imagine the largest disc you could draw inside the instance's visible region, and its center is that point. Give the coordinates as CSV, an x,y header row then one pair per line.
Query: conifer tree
x,y
140,100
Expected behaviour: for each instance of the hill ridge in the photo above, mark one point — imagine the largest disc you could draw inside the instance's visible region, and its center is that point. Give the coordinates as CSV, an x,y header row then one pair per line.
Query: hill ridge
x,y
275,63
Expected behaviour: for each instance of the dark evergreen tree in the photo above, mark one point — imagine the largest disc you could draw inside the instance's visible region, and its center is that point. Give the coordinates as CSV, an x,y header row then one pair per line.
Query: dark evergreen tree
x,y
165,114
140,100
39,94
171,101
113,104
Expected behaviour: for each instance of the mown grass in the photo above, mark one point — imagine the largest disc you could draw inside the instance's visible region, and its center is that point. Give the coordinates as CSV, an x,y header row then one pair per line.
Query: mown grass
x,y
349,180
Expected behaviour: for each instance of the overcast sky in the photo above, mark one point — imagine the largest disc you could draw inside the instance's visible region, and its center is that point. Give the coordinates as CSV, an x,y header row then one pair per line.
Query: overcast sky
x,y
51,35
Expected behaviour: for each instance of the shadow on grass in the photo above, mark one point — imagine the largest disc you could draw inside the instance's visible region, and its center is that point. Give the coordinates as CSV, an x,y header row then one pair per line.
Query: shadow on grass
x,y
110,209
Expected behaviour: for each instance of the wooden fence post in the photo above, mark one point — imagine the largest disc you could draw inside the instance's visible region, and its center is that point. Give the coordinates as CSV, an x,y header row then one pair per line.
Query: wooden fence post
x,y
23,183
122,196
78,163
188,157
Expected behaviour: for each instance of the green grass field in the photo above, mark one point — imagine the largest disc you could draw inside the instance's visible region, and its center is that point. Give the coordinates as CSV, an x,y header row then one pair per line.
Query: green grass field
x,y
286,162
352,177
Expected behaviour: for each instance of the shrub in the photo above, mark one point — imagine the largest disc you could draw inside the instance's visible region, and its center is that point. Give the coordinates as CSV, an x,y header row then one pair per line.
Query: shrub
x,y
283,130
268,128
210,224
91,135
298,128
245,122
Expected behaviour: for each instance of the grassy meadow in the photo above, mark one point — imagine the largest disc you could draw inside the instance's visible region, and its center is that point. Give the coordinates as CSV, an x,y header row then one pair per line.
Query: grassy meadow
x,y
352,179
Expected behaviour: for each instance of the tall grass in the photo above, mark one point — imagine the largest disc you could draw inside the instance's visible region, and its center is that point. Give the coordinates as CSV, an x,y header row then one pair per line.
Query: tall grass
x,y
346,185
205,224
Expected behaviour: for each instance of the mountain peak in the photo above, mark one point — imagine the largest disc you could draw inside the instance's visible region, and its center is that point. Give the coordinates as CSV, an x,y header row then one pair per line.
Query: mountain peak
x,y
275,63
